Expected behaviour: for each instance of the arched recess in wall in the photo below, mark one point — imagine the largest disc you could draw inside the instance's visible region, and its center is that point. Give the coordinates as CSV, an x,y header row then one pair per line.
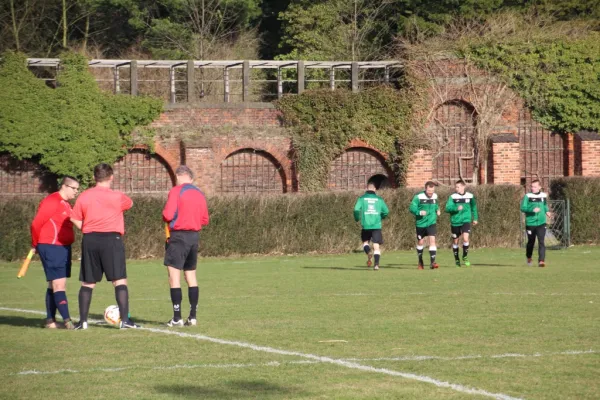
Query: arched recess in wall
x,y
542,152
452,135
355,167
142,172
21,177
251,171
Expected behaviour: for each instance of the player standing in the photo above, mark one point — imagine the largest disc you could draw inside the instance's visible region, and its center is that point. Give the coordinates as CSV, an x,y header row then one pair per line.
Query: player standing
x,y
535,207
98,212
186,213
462,208
51,237
370,209
425,208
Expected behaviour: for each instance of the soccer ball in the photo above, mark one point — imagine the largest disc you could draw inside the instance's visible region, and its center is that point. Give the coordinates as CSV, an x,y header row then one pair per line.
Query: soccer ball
x,y
112,315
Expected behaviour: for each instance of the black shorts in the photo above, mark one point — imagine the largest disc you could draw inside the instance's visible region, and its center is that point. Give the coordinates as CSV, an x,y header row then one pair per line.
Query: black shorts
x,y
56,260
430,230
182,250
102,253
373,235
460,229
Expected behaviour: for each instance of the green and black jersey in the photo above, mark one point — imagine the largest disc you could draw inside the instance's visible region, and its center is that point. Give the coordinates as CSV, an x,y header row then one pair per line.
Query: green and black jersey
x,y
422,202
370,209
469,208
532,201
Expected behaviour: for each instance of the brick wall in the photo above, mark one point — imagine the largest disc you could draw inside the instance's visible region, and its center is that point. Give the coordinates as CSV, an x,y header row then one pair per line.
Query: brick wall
x,y
587,153
420,169
505,161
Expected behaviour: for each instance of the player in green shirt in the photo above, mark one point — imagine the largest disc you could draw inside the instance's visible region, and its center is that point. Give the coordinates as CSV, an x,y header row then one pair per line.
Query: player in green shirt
x,y
370,209
425,208
535,207
462,208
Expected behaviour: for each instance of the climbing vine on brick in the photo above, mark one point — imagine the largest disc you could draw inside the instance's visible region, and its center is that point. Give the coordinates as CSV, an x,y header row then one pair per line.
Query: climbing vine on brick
x,y
323,122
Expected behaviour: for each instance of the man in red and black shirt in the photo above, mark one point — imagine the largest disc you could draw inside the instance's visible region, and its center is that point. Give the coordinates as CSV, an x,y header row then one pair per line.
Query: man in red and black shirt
x,y
98,212
186,213
51,237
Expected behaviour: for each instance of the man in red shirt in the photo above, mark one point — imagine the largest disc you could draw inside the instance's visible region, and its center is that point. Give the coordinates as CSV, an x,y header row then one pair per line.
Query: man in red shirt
x,y
186,213
98,212
51,237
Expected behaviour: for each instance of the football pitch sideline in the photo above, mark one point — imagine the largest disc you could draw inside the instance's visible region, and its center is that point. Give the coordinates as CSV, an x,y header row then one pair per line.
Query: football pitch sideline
x,y
320,327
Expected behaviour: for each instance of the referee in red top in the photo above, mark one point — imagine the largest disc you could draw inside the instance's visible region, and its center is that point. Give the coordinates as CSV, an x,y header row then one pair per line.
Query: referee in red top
x,y
51,237
186,213
98,212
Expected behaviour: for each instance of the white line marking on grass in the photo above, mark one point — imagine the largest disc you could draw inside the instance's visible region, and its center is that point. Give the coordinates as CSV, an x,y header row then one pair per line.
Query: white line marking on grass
x,y
169,367
343,363
470,357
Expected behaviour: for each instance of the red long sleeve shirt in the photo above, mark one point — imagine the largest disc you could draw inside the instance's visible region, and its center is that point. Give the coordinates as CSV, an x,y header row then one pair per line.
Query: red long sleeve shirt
x,y
101,210
52,224
186,209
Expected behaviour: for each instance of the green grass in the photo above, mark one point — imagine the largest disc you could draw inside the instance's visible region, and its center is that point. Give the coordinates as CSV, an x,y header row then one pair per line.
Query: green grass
x,y
302,303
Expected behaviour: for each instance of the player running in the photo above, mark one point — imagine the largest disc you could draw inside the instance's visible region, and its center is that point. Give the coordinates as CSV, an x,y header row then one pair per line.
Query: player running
x,y
370,209
51,237
462,208
186,213
535,207
425,208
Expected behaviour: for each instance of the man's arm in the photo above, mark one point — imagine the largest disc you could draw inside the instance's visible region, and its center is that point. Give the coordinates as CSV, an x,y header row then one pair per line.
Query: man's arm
x,y
474,209
43,215
205,218
77,223
357,209
384,210
451,206
171,206
126,202
414,206
77,213
525,206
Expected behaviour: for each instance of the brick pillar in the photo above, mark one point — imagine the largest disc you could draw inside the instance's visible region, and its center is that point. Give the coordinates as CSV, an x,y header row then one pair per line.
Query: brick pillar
x,y
588,153
420,168
506,168
570,154
201,162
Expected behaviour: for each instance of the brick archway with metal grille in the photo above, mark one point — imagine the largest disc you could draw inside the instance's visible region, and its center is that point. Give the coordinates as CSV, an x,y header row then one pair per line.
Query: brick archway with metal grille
x,y
24,177
542,152
142,172
355,167
251,171
453,132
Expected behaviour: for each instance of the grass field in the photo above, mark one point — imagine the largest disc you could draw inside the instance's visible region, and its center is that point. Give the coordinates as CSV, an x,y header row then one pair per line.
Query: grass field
x,y
322,327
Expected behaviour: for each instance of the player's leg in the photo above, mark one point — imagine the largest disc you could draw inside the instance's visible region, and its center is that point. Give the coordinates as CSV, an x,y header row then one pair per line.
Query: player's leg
x,y
530,243
465,255
59,285
365,236
189,271
377,238
455,238
42,251
89,274
541,236
376,255
175,256
432,252
420,243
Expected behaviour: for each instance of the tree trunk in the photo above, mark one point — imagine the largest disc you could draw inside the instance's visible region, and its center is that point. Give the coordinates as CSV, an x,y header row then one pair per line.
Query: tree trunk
x,y
64,18
14,25
86,33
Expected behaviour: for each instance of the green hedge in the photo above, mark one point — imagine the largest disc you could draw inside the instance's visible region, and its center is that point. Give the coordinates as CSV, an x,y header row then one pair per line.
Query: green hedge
x,y
282,224
584,196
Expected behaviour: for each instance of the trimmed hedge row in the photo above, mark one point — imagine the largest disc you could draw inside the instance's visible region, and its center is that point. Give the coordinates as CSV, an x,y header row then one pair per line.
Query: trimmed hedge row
x,y
321,222
584,195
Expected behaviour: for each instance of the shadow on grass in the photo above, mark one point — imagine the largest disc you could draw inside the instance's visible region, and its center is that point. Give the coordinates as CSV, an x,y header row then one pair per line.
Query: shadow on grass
x,y
361,268
22,321
239,389
133,317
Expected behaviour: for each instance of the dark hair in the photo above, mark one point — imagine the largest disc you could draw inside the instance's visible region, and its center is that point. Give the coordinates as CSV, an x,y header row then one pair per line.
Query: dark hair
x,y
66,178
102,172
461,182
430,184
184,170
536,181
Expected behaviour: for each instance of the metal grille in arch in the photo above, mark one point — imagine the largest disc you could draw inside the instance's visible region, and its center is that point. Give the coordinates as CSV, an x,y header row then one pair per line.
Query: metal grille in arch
x,y
141,172
353,169
248,171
